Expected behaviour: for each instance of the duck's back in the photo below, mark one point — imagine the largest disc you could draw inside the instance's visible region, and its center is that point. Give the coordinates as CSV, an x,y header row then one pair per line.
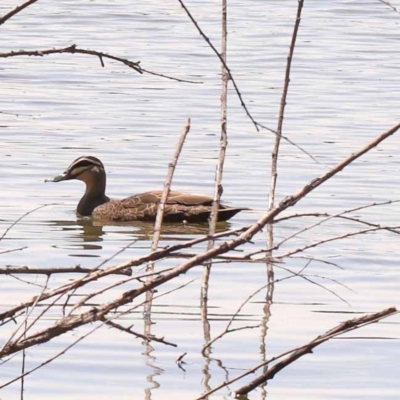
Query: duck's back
x,y
179,207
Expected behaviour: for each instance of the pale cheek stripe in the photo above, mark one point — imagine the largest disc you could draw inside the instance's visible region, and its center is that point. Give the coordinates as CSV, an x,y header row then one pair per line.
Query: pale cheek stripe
x,y
77,171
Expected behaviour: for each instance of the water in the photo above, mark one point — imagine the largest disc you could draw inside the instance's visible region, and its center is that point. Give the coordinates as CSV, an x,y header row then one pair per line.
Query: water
x,y
343,93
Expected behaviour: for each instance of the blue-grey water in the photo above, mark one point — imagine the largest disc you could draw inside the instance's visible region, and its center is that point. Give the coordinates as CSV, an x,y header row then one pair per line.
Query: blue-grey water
x,y
344,91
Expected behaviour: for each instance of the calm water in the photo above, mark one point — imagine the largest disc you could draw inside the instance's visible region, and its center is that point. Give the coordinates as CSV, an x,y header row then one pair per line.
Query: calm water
x,y
344,91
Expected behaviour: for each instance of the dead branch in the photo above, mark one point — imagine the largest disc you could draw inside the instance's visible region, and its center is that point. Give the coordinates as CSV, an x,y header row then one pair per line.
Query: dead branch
x,y
329,217
344,327
11,250
16,10
339,237
98,274
25,270
159,220
239,309
91,295
167,186
218,188
27,314
390,5
170,77
22,217
383,203
320,261
243,104
275,151
97,313
73,49
103,322
148,338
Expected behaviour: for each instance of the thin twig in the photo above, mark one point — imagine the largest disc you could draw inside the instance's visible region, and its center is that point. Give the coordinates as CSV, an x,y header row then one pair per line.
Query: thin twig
x,y
340,329
275,151
16,10
218,188
148,338
243,104
294,355
74,49
390,5
239,309
167,186
26,316
329,217
358,208
22,217
96,313
159,219
93,276
25,270
12,250
170,77
102,323
332,239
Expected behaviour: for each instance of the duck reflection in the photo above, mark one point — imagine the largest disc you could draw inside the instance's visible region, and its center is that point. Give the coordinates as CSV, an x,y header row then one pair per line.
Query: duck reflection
x,y
87,230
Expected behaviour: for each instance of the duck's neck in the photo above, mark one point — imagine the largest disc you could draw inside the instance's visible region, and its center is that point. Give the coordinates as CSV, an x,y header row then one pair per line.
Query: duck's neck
x,y
95,195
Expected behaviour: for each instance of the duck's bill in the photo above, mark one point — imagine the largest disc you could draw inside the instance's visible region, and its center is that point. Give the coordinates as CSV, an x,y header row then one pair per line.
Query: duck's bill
x,y
58,178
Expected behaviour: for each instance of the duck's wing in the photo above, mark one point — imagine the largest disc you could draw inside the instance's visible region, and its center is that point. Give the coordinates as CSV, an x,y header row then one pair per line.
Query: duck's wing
x,y
178,207
174,197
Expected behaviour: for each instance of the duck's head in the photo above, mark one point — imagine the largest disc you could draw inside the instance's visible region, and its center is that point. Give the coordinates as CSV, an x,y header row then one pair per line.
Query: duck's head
x,y
88,169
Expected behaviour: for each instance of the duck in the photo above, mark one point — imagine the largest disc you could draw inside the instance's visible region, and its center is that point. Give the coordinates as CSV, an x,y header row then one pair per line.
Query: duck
x,y
179,207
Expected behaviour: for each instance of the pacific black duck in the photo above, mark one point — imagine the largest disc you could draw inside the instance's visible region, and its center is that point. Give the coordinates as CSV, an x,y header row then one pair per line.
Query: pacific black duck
x,y
178,208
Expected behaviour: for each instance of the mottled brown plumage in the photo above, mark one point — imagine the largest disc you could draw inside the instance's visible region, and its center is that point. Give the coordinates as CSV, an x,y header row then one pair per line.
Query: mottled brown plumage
x,y
179,206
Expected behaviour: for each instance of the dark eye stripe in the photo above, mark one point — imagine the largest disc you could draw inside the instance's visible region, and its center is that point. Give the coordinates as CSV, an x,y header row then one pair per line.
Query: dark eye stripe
x,y
86,162
83,163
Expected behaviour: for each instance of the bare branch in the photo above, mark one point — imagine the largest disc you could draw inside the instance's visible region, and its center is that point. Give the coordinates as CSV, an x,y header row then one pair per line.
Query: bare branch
x,y
390,5
22,217
97,313
339,237
148,338
275,151
12,270
167,186
73,49
295,354
218,188
16,10
243,104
